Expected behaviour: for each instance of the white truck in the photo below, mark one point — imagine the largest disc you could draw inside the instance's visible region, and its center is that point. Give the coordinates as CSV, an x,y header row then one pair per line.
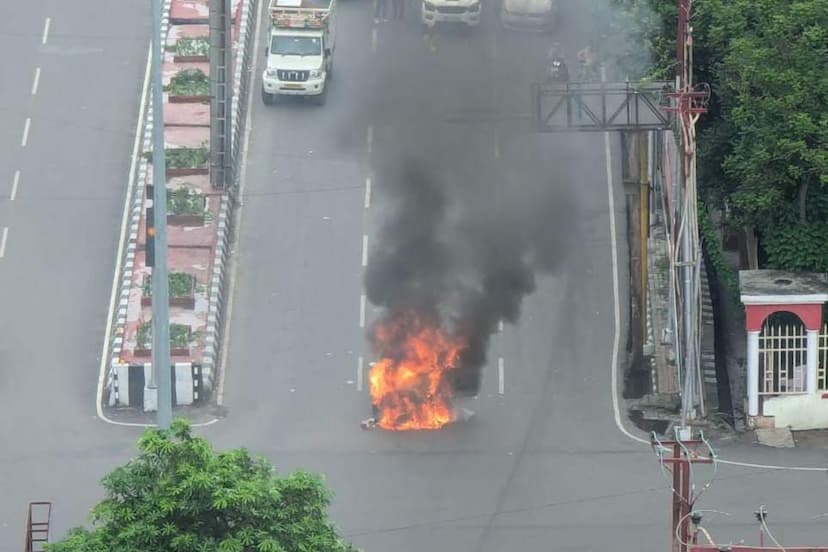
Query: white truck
x,y
450,11
530,15
300,49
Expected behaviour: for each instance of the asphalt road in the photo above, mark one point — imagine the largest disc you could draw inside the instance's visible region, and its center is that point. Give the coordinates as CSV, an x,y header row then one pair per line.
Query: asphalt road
x,y
541,466
61,231
522,473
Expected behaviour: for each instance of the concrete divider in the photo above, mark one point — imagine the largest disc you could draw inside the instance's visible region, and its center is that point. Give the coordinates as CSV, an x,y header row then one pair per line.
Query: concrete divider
x,y
130,385
193,384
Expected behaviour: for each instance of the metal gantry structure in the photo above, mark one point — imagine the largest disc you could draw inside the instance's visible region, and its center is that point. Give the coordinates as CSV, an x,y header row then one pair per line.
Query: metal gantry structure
x,y
601,106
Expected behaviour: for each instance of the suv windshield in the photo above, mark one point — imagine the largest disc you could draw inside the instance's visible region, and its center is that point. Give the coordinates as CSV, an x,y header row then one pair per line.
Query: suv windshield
x,y
296,45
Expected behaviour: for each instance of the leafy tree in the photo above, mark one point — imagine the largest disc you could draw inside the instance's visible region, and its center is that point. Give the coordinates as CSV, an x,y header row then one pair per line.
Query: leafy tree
x,y
180,495
766,151
763,144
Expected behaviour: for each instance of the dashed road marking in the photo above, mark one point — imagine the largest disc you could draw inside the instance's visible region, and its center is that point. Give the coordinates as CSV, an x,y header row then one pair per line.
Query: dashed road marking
x,y
500,326
360,370
15,184
501,376
362,311
369,138
25,139
365,250
36,81
374,40
3,241
368,192
46,26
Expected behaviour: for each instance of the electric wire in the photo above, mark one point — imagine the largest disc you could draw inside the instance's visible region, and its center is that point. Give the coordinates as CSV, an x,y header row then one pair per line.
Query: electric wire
x,y
765,527
690,513
469,517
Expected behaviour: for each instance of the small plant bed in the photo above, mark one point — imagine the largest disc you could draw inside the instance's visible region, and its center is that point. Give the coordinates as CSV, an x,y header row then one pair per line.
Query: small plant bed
x,y
181,290
180,338
192,50
187,161
186,207
189,85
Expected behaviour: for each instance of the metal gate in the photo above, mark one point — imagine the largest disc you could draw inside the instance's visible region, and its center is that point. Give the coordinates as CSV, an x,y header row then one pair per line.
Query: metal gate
x,y
782,358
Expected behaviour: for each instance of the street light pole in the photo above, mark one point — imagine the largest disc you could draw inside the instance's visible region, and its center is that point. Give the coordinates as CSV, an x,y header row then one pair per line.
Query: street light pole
x,y
161,370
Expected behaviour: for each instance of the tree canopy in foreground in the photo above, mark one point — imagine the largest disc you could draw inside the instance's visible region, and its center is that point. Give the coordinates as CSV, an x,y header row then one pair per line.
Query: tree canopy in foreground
x,y
179,494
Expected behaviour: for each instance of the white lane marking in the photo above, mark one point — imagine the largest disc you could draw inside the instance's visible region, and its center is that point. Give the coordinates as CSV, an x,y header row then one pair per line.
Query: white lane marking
x,y
368,192
26,127
616,338
500,326
369,138
233,268
501,376
36,81
362,311
374,40
3,241
360,370
365,250
15,184
46,25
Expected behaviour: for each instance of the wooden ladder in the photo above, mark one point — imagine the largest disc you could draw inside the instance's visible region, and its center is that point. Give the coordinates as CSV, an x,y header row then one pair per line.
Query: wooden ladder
x,y
37,526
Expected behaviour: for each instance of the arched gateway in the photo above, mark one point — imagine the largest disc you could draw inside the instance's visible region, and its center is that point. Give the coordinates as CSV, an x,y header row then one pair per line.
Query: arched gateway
x,y
786,353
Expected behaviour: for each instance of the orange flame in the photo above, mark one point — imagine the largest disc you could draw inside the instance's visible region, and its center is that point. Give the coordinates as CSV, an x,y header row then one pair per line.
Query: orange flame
x,y
409,384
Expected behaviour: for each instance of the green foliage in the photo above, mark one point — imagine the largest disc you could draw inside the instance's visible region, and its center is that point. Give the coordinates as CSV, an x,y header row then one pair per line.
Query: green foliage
x,y
763,144
199,46
187,158
185,201
180,284
180,335
799,247
768,150
189,82
181,495
143,337
712,247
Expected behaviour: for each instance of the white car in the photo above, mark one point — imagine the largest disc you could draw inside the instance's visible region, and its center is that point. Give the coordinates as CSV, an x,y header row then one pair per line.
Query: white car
x,y
466,12
532,15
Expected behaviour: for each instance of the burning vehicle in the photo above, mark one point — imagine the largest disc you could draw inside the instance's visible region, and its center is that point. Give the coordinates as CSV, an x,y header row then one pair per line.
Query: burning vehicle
x,y
445,277
412,385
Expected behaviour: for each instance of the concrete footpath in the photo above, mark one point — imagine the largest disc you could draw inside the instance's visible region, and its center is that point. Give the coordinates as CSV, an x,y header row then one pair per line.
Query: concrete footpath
x,y
198,221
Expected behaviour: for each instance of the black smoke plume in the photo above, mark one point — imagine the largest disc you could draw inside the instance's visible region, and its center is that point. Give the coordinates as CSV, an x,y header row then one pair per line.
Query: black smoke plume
x,y
461,249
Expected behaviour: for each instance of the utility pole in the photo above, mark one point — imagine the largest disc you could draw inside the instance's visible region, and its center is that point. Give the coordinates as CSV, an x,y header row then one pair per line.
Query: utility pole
x,y
689,104
221,170
161,376
684,454
677,459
